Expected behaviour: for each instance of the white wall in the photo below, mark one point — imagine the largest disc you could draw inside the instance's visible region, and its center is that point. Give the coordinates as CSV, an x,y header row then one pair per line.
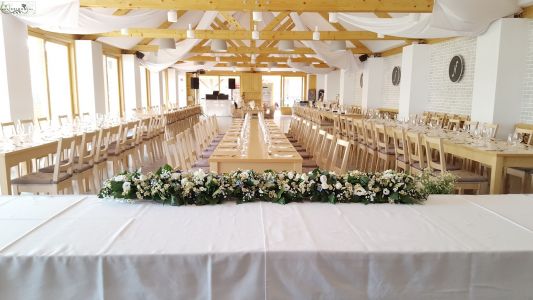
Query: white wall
x,y
372,96
444,95
414,85
15,80
132,83
526,115
332,86
172,85
320,82
182,89
156,89
391,93
347,88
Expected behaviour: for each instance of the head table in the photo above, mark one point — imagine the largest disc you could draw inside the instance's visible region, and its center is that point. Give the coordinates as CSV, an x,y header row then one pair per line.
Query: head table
x,y
81,247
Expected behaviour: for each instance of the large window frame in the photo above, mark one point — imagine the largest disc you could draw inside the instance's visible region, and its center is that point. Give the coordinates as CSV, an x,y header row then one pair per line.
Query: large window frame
x,y
59,39
118,57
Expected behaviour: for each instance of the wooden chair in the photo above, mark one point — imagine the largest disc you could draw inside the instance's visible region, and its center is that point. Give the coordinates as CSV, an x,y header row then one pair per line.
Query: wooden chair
x,y
59,180
370,147
453,124
415,152
8,129
326,152
63,119
466,180
400,150
385,151
492,127
83,171
100,156
26,125
360,145
523,174
341,153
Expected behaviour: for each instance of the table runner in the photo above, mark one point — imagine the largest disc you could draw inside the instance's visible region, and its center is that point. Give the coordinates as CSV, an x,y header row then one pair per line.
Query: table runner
x,y
453,247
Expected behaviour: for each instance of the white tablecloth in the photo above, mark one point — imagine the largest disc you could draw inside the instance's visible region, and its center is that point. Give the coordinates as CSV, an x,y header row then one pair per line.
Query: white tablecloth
x,y
453,247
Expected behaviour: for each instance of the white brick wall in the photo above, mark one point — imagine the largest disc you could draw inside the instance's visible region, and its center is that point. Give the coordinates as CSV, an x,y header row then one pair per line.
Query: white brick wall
x,y
527,91
358,89
444,95
391,93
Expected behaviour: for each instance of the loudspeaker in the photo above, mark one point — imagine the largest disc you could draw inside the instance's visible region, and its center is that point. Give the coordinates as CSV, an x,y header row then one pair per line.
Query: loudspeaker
x,y
363,57
139,55
231,84
195,83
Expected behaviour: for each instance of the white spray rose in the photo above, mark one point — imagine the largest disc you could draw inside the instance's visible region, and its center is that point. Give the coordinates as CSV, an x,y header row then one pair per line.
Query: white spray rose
x,y
323,179
120,178
126,187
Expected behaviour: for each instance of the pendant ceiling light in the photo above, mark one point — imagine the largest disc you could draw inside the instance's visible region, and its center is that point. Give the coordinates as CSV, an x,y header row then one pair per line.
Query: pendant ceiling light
x,y
172,16
333,17
167,44
190,32
219,46
337,46
286,45
255,33
316,34
257,16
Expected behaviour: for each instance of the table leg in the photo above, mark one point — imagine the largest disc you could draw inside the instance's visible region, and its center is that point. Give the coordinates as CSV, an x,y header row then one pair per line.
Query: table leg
x,y
5,177
496,176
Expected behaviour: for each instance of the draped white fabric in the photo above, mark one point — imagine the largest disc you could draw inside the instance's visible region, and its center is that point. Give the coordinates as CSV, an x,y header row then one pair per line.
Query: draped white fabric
x,y
65,16
450,18
165,58
342,60
452,247
308,69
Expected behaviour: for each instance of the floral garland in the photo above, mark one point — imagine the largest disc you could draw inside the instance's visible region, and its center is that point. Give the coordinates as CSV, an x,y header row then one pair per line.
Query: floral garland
x,y
200,188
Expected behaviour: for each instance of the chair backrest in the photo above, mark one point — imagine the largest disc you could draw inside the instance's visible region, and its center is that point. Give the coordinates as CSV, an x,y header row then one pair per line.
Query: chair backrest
x,y
63,119
526,134
436,160
369,135
26,125
414,148
341,152
470,126
318,143
400,143
102,144
492,127
326,154
453,124
171,150
64,157
43,123
87,148
382,138
8,129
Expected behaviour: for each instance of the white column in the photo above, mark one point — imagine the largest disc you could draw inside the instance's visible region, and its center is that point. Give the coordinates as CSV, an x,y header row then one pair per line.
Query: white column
x,y
372,83
414,85
332,86
501,57
347,88
90,76
172,86
16,97
132,83
156,89
182,89
320,82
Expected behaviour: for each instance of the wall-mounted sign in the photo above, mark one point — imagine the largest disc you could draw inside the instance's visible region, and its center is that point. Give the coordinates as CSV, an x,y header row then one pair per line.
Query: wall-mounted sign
x,y
457,68
396,75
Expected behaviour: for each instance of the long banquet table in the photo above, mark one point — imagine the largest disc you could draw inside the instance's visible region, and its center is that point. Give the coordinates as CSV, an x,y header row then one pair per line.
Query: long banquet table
x,y
81,247
282,156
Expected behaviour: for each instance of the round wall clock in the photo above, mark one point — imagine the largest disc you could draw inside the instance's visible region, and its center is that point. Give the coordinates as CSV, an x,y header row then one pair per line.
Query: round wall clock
x,y
396,75
457,68
361,80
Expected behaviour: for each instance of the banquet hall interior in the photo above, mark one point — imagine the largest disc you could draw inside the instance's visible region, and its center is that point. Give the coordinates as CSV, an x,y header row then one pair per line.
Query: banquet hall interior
x,y
266,149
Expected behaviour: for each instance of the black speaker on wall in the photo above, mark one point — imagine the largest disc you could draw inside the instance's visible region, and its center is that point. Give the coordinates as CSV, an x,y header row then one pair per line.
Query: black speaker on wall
x,y
195,83
231,83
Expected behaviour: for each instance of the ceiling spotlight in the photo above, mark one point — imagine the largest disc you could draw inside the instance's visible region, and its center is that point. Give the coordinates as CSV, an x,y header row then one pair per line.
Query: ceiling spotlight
x,y
333,17
167,44
381,36
219,46
124,31
286,45
337,46
316,34
255,33
190,32
172,16
257,16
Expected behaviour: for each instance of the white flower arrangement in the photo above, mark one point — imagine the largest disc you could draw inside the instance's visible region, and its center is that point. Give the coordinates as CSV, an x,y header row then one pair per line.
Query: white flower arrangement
x,y
200,188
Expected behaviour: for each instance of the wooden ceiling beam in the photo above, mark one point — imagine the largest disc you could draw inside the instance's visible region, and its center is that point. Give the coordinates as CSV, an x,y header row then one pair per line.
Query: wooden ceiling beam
x,y
276,21
231,20
163,25
258,60
382,14
247,35
121,12
372,6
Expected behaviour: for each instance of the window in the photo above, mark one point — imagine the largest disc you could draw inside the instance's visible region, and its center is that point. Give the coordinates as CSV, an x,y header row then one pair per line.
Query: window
x,y
145,87
272,89
50,75
293,88
112,89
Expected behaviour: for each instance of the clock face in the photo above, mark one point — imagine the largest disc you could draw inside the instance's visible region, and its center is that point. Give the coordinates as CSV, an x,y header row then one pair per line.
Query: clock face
x,y
396,75
457,68
361,80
